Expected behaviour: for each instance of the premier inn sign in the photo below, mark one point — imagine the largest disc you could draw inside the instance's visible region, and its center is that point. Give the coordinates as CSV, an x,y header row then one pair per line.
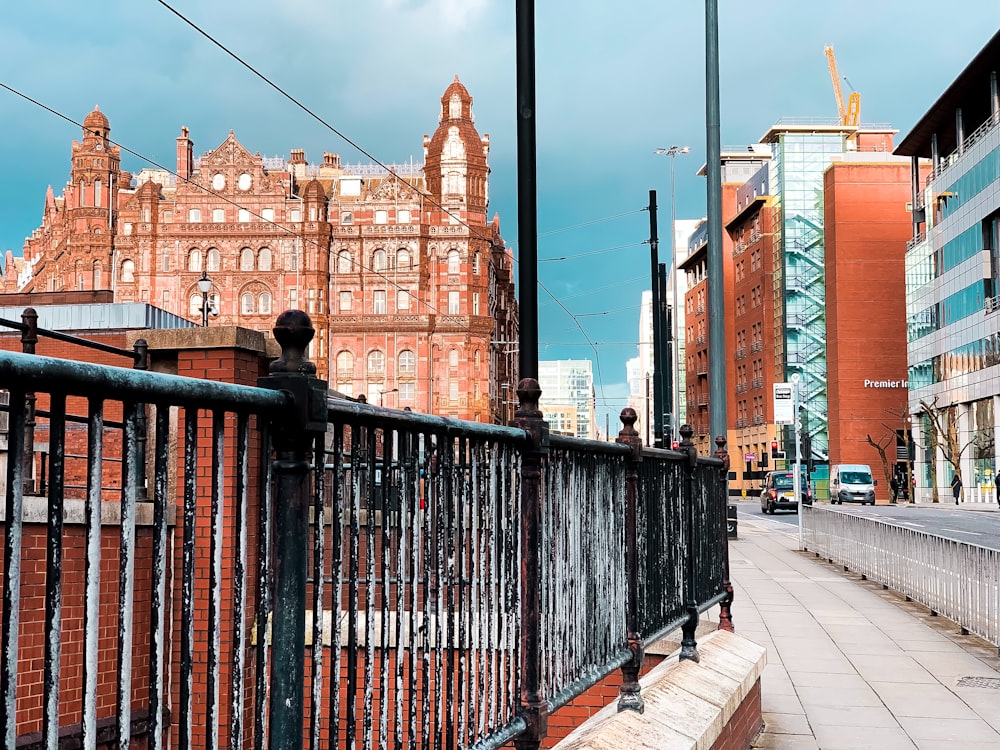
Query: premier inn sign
x,y
887,383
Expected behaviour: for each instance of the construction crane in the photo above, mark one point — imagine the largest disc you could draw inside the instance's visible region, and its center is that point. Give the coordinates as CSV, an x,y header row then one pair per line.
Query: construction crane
x,y
849,114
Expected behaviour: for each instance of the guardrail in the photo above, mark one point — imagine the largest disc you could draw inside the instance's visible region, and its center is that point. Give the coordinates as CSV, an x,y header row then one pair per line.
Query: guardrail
x,y
956,579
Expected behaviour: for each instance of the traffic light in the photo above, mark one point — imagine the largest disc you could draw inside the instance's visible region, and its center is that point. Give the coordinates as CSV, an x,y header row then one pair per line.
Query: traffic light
x,y
675,445
774,449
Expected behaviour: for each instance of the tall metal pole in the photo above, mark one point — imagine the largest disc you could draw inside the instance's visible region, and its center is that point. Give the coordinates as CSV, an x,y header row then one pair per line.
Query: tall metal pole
x,y
716,295
797,480
667,378
654,280
674,272
527,209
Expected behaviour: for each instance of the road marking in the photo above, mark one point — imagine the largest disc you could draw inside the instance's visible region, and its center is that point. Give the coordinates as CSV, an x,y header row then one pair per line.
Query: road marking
x,y
960,531
911,523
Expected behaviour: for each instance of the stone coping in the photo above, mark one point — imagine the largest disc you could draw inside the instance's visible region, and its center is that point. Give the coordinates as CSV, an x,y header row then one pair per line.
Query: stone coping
x,y
210,337
687,704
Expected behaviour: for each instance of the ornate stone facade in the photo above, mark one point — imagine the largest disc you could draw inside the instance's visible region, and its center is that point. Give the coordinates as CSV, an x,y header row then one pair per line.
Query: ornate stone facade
x,y
409,285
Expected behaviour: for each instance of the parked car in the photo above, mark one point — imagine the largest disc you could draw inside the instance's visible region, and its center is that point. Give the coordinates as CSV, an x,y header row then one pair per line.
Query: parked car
x,y
778,492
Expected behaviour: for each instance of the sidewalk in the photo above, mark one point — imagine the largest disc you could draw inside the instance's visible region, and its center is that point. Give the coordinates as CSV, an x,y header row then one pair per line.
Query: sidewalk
x,y
851,666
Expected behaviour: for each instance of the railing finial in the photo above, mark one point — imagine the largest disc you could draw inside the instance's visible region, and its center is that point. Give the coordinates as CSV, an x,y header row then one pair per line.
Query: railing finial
x,y
293,331
529,392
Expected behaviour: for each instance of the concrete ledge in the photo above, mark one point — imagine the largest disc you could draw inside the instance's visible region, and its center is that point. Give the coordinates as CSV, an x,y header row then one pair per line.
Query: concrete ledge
x,y
687,705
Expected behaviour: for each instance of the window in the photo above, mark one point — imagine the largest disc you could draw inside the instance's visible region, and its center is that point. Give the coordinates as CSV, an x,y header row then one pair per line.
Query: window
x,y
213,261
194,215
453,359
293,298
194,260
264,303
165,259
475,263
378,302
402,259
291,260
246,259
194,305
264,259
127,228
347,218
407,363
295,215
96,275
407,393
345,365
246,304
454,262
378,260
376,362
475,303
381,217
97,192
245,181
402,300
345,301
218,181
218,215
453,306
453,389
267,214
243,216
82,194
344,264
403,216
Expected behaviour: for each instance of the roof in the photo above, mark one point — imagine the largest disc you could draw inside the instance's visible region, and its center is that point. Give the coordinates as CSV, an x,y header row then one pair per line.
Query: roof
x,y
970,92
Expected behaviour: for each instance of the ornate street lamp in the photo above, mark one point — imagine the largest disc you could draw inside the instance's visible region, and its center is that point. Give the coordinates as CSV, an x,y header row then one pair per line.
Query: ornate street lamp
x,y
205,286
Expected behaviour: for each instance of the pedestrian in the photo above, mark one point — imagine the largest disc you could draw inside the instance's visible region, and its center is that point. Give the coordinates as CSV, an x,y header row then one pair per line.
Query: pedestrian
x,y
956,487
894,486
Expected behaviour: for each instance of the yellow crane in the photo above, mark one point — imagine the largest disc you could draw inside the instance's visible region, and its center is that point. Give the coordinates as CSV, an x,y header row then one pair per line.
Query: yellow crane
x,y
849,114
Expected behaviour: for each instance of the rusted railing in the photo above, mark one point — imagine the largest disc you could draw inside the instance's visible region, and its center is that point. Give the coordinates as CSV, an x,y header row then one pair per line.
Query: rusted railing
x,y
306,571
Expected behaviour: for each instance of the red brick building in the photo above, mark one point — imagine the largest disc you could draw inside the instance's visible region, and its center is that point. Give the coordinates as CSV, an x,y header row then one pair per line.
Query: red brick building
x,y
405,277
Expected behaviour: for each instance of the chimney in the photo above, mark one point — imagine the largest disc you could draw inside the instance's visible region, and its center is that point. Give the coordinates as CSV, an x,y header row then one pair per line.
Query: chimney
x,y
298,156
185,155
331,160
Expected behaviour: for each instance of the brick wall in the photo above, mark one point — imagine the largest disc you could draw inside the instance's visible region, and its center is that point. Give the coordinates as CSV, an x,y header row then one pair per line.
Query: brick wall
x,y
744,725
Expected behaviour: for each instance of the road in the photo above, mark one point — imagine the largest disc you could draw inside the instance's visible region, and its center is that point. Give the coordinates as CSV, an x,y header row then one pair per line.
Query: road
x,y
974,527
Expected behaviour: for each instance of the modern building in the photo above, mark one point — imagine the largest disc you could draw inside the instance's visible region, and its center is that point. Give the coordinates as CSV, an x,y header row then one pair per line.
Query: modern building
x,y
640,371
568,400
953,284
408,282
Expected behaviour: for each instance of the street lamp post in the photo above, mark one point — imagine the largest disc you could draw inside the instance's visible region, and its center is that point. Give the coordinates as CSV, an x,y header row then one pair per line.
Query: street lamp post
x,y
381,394
672,152
204,286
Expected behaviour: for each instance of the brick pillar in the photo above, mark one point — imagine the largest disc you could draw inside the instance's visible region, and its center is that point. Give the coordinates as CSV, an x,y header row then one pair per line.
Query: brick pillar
x,y
227,355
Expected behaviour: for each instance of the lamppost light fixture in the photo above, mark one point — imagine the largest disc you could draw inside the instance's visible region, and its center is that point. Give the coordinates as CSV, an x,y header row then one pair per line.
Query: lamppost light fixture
x,y
672,150
204,286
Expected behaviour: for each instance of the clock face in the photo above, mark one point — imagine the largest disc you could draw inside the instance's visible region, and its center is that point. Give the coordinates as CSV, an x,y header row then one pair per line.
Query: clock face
x,y
99,146
218,181
245,181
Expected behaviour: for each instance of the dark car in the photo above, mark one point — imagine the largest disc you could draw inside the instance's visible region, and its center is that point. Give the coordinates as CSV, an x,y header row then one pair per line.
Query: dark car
x,y
778,492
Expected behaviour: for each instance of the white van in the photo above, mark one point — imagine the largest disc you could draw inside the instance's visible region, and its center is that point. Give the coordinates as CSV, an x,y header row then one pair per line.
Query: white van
x,y
852,483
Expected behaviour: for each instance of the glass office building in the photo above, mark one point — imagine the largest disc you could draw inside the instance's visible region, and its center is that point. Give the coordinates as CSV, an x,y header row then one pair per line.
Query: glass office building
x,y
953,323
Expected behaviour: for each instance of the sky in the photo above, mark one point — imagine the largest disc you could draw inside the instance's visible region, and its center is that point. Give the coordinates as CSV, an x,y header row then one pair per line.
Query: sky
x,y
613,82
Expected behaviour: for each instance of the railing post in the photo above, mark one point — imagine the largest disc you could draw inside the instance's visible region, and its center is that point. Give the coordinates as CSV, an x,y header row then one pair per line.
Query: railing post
x,y
725,606
528,417
29,337
293,434
629,696
141,350
689,646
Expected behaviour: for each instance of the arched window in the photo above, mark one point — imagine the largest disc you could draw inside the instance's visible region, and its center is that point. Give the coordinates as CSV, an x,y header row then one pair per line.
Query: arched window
x,y
453,359
407,363
403,259
378,260
454,262
128,270
345,364
264,259
246,304
97,192
264,303
96,275
376,362
476,360
194,305
344,264
213,260
194,260
246,259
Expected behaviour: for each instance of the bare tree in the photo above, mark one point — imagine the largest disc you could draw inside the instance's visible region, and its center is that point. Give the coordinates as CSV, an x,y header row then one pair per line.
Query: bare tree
x,y
888,438
944,435
880,446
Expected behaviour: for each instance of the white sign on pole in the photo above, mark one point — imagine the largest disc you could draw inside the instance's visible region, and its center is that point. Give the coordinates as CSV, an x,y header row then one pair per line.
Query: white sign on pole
x,y
784,406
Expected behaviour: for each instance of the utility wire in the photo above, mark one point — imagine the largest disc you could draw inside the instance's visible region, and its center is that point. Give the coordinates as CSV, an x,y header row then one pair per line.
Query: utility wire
x,y
591,252
588,223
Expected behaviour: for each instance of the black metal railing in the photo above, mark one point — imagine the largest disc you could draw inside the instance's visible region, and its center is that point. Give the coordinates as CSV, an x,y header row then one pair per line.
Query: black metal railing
x,y
303,571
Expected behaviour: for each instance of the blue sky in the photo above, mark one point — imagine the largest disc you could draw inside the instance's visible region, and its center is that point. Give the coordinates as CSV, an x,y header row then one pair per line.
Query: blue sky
x,y
613,82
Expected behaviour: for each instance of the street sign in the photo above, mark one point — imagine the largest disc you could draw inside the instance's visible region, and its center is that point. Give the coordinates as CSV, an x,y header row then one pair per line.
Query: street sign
x,y
749,456
784,407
